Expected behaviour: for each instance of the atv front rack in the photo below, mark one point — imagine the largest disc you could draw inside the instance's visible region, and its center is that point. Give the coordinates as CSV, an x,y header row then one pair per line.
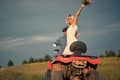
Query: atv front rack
x,y
67,59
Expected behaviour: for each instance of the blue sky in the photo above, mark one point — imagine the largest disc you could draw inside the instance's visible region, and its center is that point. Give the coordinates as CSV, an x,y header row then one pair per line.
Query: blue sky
x,y
29,27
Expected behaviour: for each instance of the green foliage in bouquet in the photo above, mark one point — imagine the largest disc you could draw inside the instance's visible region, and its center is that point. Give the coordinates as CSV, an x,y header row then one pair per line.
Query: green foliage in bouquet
x,y
86,2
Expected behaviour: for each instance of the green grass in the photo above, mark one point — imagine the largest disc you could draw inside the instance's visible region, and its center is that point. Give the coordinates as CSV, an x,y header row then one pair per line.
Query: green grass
x,y
109,69
33,71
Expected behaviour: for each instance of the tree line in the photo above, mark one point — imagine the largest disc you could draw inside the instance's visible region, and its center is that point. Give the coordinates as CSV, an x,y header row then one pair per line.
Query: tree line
x,y
111,53
108,53
31,60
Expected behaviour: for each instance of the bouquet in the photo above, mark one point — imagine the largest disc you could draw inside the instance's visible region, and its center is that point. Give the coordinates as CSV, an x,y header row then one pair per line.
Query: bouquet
x,y
87,2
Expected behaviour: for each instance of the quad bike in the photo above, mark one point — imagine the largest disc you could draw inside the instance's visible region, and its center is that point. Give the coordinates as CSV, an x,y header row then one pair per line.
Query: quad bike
x,y
74,67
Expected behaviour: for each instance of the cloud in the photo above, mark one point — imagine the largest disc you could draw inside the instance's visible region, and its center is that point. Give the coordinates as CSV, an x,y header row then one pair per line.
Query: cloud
x,y
113,27
8,42
105,30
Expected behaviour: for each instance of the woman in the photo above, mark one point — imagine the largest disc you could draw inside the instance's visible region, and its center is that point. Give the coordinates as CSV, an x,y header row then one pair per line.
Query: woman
x,y
72,35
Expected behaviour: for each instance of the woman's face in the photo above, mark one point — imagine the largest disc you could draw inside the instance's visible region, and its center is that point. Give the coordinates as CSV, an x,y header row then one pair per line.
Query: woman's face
x,y
70,20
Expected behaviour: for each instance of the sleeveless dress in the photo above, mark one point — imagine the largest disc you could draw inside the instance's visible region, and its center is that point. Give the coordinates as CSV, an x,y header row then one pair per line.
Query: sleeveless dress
x,y
71,31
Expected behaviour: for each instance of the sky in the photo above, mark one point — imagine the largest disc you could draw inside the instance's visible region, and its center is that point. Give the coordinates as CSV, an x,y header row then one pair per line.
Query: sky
x,y
29,27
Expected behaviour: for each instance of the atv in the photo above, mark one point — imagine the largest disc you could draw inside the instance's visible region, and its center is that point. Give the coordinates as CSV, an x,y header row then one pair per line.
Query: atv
x,y
74,67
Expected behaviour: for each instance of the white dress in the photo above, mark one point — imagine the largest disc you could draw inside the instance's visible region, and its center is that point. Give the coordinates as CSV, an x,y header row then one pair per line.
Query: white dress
x,y
71,31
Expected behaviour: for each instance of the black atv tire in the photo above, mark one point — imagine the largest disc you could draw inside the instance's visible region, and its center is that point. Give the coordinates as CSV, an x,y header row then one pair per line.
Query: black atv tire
x,y
94,75
48,75
56,75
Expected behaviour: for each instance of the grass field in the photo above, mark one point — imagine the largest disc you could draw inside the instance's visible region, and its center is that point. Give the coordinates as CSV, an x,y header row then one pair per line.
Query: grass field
x,y
33,71
109,69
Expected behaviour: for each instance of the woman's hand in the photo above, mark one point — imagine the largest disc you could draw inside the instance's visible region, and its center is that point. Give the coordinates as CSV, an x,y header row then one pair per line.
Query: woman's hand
x,y
82,6
77,35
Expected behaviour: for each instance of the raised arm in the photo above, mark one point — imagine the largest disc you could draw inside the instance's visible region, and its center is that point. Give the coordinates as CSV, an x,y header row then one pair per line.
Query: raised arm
x,y
77,14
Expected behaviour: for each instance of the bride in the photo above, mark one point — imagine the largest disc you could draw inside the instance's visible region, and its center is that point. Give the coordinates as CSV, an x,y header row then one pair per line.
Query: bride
x,y
72,34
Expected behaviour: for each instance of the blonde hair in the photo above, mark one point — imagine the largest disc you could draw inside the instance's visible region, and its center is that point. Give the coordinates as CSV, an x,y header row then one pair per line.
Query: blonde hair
x,y
70,15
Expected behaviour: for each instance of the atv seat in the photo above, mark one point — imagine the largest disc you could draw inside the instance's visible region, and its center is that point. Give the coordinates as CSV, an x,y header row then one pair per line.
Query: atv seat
x,y
78,47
